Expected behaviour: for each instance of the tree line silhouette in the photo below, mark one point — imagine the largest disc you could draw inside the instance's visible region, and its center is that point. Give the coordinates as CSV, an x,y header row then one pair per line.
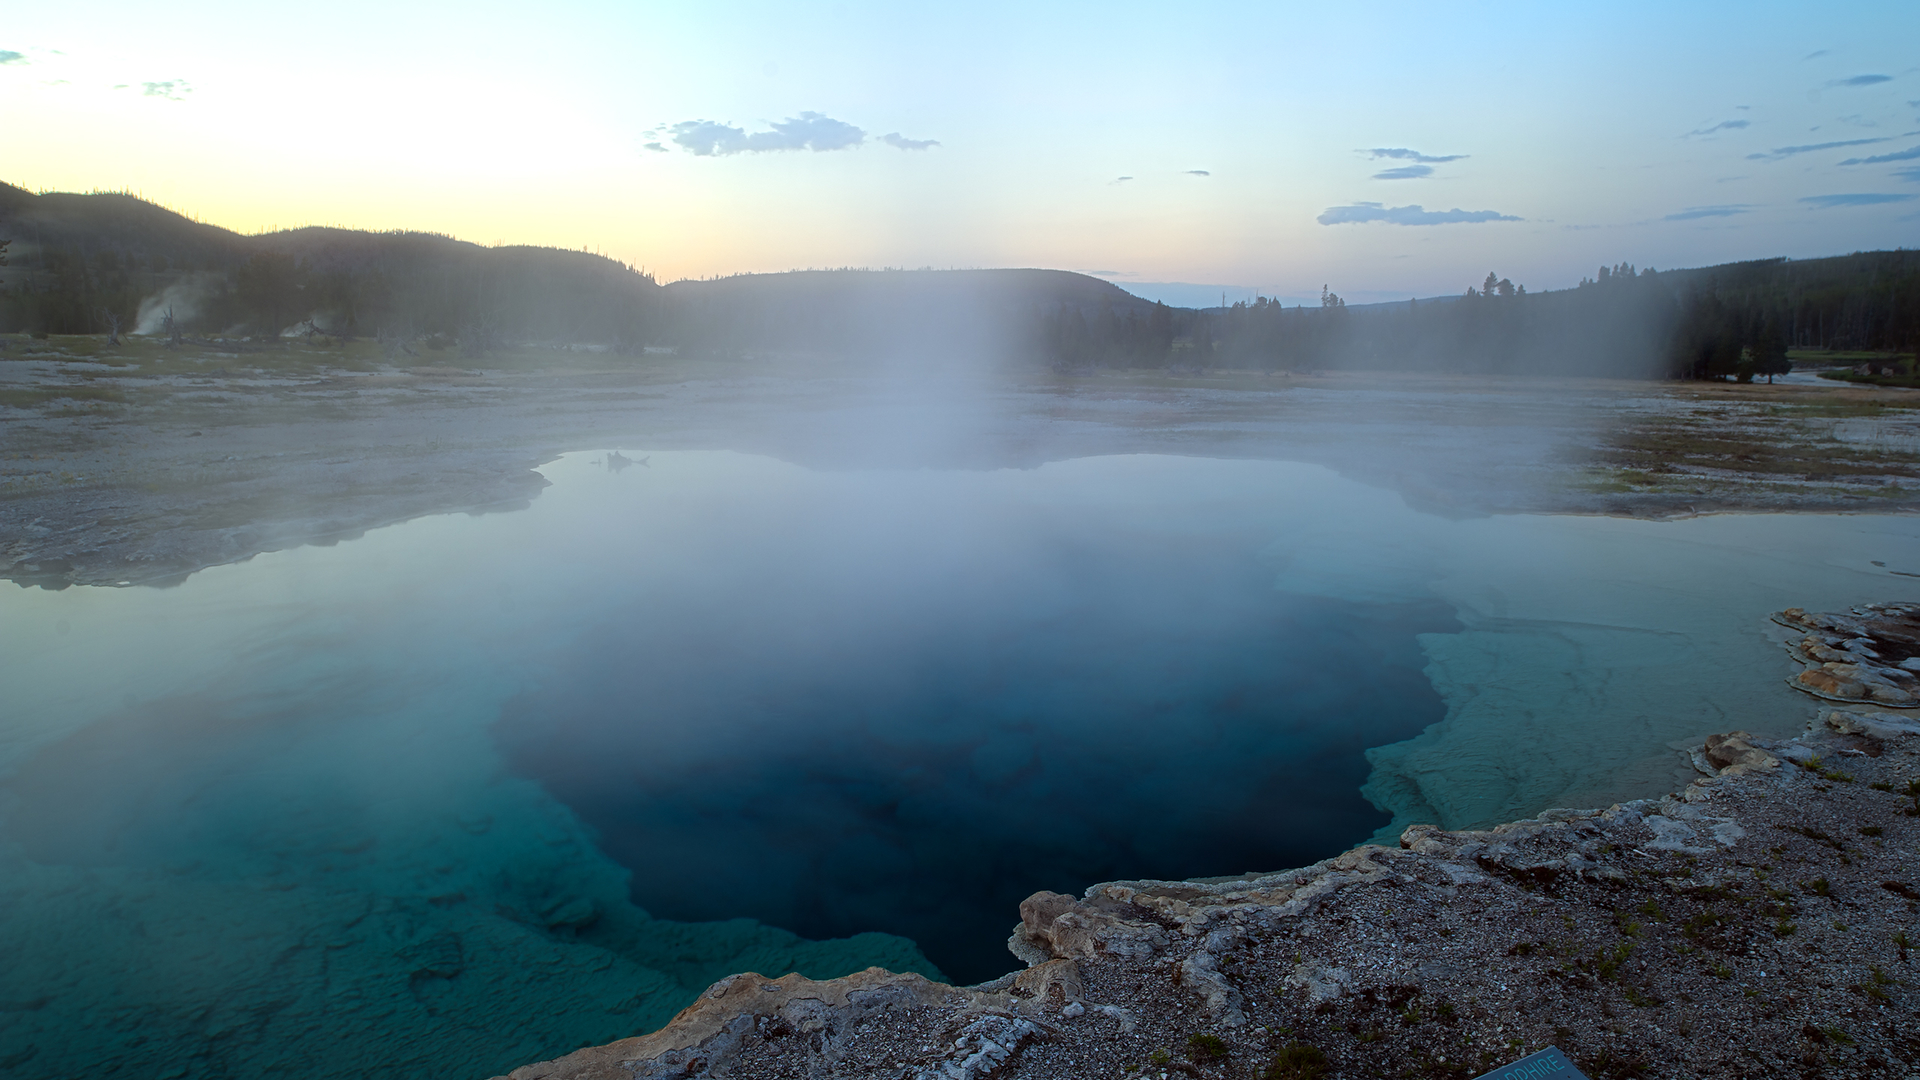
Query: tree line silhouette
x,y
99,263
1735,321
81,264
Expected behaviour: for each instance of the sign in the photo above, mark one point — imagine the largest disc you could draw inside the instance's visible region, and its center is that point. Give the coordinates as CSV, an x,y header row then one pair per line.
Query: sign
x,y
1548,1064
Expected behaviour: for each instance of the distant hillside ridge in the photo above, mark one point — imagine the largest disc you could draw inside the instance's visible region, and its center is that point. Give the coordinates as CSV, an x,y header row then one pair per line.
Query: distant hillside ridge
x,y
1000,313
85,263
1005,286
77,262
1732,321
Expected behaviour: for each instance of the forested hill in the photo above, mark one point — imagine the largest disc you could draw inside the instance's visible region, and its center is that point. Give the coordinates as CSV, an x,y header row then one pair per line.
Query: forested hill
x,y
83,263
1867,301
1007,314
78,262
1734,320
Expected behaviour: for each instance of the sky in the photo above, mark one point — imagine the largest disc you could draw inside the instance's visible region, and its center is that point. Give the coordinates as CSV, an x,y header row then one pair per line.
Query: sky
x,y
1385,150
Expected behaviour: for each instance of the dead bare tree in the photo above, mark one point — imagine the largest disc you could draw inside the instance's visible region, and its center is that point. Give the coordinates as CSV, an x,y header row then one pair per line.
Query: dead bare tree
x,y
172,327
112,319
481,337
395,342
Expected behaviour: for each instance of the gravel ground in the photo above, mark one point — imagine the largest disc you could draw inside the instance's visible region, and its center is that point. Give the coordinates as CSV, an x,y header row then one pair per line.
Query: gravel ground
x,y
1757,924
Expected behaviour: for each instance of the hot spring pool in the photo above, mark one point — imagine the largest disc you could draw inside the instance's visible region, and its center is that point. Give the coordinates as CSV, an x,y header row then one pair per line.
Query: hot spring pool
x,y
475,791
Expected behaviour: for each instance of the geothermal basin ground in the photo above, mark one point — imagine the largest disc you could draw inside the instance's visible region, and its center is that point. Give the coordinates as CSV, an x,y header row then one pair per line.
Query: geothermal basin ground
x,y
375,718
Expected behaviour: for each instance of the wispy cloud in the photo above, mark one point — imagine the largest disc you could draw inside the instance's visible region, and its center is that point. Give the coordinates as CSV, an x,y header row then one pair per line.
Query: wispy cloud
x,y
1198,172
1694,213
1788,151
1121,179
1860,80
901,142
808,131
655,147
1405,172
172,89
1882,159
1401,153
707,138
1911,175
1828,202
1360,213
8,56
1724,125
1814,55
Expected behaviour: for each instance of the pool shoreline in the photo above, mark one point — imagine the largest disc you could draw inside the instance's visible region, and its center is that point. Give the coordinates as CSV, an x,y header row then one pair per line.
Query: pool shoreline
x,y
149,493
1604,933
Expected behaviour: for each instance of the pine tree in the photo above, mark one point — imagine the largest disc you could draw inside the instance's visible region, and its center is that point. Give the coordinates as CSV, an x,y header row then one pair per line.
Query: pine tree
x,y
1770,351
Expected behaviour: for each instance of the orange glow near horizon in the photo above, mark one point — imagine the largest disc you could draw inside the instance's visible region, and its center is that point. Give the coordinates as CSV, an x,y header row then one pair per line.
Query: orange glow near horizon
x,y
703,142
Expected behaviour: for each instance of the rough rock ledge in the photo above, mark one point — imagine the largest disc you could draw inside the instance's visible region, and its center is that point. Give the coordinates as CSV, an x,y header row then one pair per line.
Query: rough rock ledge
x,y
1870,655
1758,924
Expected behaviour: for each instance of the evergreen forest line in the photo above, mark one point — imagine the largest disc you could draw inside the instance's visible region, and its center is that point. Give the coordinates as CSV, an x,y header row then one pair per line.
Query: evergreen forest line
x,y
107,263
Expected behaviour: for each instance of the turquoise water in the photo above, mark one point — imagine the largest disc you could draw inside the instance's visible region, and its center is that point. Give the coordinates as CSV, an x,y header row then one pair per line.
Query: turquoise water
x,y
479,790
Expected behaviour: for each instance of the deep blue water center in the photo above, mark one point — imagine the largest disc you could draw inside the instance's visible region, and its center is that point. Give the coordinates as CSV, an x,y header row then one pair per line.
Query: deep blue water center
x,y
917,749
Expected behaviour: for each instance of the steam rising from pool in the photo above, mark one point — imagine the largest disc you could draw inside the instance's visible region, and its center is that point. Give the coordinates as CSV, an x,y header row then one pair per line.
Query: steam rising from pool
x,y
470,792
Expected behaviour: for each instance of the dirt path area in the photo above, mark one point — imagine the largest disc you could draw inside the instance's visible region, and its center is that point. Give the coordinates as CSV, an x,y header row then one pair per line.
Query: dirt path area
x,y
138,464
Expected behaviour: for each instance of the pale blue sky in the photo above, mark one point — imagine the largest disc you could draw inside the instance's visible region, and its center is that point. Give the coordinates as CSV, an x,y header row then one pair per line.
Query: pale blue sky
x,y
1661,134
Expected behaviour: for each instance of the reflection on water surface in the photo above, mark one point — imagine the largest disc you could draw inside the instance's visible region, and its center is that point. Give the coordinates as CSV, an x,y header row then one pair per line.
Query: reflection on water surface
x,y
354,810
